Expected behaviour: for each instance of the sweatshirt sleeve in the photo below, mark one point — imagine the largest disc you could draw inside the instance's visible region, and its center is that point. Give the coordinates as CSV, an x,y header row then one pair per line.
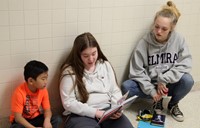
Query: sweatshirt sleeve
x,y
182,65
69,100
138,71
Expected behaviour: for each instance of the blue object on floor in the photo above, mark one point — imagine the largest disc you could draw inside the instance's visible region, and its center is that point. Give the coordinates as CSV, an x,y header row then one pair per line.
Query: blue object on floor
x,y
142,124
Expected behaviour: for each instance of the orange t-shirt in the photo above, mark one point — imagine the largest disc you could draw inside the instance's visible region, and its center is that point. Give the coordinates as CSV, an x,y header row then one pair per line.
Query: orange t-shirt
x,y
27,103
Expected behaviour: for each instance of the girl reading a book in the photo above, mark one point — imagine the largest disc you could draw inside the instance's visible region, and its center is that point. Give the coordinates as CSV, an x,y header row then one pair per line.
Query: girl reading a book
x,y
88,87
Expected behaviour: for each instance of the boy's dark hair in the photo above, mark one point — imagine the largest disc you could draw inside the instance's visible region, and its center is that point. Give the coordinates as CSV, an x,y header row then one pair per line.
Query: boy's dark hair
x,y
33,69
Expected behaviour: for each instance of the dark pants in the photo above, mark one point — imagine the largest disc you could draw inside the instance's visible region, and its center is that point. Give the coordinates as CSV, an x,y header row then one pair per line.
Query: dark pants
x,y
76,121
38,122
176,90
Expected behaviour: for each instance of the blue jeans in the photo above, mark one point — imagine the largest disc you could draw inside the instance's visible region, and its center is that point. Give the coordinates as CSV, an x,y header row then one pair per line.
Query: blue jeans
x,y
176,90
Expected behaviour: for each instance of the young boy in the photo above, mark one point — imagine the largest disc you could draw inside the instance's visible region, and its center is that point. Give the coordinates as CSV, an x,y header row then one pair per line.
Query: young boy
x,y
30,101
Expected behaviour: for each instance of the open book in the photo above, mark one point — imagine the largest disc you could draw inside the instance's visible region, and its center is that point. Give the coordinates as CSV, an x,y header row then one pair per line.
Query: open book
x,y
122,104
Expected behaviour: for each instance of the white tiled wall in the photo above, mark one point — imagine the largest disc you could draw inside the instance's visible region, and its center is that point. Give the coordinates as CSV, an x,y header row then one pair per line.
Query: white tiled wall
x,y
45,30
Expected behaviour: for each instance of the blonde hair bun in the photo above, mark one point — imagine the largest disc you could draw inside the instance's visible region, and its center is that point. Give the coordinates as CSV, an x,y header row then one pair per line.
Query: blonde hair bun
x,y
170,3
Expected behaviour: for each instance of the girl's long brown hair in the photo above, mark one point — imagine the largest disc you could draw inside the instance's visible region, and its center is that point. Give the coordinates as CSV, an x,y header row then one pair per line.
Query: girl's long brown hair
x,y
83,41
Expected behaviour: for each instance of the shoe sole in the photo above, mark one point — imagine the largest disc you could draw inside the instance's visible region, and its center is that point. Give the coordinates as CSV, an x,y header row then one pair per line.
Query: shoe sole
x,y
178,119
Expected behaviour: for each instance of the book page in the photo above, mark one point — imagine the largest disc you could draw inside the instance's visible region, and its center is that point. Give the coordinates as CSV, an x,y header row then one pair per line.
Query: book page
x,y
109,113
123,105
123,98
128,102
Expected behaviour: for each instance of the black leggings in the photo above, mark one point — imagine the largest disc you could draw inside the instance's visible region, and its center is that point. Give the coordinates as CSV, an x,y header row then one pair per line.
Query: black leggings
x,y
76,121
38,122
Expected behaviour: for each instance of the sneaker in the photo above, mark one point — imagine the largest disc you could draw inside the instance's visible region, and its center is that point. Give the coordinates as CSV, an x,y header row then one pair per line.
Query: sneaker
x,y
176,113
158,107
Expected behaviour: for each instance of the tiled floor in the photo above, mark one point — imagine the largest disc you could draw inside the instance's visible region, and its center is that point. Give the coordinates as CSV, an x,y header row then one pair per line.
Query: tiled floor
x,y
190,106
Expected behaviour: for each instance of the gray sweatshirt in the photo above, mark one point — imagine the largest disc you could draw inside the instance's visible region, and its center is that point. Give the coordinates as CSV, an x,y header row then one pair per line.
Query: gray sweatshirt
x,y
154,62
100,84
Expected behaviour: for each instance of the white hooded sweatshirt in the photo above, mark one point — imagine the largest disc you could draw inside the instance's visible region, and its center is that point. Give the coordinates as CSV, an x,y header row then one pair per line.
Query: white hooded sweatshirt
x,y
100,84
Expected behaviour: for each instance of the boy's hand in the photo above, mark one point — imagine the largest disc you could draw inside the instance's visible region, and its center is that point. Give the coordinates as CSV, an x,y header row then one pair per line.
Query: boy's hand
x,y
47,119
47,124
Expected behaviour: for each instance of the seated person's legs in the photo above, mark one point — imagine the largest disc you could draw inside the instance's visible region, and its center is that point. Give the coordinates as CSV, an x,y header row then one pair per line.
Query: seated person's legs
x,y
178,91
122,122
16,125
76,121
56,121
133,88
38,122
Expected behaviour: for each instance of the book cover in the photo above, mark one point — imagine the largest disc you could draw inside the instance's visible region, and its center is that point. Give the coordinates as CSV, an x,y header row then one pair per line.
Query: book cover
x,y
122,104
158,119
143,124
